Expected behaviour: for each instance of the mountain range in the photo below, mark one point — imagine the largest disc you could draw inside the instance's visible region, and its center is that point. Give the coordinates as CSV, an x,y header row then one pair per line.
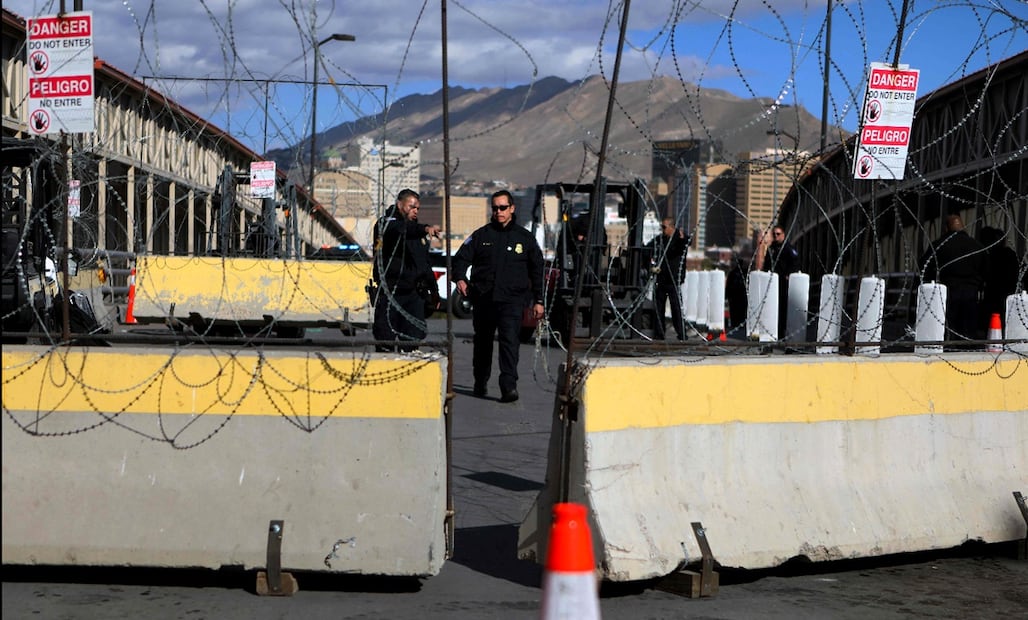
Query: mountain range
x,y
550,130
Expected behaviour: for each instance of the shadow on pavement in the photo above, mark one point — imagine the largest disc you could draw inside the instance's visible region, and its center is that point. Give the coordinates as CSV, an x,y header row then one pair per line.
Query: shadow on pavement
x,y
492,550
505,481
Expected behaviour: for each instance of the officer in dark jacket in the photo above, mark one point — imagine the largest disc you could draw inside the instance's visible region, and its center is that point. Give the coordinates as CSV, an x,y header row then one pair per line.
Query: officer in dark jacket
x,y
506,277
667,261
959,262
783,259
400,266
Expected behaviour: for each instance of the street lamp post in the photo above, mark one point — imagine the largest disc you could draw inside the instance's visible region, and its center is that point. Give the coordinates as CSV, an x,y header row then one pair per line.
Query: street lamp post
x,y
314,103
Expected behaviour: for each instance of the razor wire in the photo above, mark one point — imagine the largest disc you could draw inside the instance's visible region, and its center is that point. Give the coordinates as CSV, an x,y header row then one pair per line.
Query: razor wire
x,y
253,102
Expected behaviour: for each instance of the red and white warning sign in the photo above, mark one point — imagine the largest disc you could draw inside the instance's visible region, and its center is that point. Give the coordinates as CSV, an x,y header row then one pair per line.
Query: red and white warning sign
x,y
888,112
262,179
60,71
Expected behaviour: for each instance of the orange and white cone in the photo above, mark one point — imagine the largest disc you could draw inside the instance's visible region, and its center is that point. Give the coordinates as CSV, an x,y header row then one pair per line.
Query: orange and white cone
x,y
129,318
570,589
995,333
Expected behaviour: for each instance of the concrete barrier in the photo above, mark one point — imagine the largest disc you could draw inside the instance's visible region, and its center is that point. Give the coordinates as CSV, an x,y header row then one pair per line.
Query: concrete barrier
x,y
140,458
252,290
788,456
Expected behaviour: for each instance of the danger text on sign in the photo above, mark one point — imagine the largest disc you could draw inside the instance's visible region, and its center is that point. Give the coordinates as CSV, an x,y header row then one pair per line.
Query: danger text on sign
x,y
895,80
61,87
885,135
51,27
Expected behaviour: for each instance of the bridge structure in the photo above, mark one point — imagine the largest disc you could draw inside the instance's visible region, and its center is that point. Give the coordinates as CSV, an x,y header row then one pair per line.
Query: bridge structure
x,y
351,448
155,178
968,155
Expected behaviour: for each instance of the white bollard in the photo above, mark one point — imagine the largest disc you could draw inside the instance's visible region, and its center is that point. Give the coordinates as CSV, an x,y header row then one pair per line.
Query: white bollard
x,y
1017,322
762,306
716,304
796,317
829,313
690,296
870,310
702,299
930,320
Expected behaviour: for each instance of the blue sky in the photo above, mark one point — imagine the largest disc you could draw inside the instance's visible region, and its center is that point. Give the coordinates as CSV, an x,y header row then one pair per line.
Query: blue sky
x,y
766,48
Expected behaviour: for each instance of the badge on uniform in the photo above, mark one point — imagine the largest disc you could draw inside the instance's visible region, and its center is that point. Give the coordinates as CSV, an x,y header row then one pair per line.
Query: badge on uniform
x,y
518,249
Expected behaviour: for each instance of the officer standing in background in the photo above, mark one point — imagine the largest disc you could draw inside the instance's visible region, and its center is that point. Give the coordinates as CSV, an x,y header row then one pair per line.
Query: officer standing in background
x,y
506,277
783,259
959,262
667,261
400,264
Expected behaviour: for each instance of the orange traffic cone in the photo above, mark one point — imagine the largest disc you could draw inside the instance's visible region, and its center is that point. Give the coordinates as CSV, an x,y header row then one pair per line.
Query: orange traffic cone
x,y
723,337
129,318
569,586
995,333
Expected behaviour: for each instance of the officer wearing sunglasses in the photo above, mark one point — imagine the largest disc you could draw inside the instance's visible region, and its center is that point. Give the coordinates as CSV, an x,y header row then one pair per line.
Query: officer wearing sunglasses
x,y
506,277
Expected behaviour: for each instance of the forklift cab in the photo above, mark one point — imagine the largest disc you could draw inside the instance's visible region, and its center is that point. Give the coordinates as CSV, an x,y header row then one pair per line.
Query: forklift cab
x,y
583,256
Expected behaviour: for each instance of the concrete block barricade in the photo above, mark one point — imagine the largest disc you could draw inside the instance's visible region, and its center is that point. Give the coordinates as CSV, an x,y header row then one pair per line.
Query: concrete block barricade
x,y
788,456
249,290
130,457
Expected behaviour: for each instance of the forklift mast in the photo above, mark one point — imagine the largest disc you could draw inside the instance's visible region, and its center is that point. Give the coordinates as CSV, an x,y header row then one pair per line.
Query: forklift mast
x,y
612,289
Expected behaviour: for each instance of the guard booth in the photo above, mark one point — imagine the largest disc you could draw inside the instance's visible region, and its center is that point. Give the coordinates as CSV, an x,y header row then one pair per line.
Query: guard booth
x,y
613,287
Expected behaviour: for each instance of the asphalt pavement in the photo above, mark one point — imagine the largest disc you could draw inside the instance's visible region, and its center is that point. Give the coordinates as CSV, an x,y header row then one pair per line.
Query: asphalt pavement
x,y
499,452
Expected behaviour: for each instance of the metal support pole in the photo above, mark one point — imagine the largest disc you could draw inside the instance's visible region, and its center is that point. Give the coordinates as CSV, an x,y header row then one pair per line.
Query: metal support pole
x,y
314,104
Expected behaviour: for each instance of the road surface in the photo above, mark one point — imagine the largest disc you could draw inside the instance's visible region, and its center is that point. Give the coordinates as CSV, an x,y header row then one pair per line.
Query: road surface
x,y
498,467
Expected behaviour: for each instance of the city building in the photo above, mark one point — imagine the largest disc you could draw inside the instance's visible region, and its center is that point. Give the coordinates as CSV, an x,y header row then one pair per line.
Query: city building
x,y
763,179
387,167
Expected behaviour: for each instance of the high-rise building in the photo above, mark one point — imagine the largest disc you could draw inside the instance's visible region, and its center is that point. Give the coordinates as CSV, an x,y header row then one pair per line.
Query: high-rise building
x,y
686,167
389,168
763,178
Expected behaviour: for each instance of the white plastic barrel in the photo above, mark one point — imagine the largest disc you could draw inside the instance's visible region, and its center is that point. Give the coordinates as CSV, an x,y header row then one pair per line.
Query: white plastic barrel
x,y
796,308
1017,322
762,306
870,310
930,320
716,301
829,313
690,295
702,297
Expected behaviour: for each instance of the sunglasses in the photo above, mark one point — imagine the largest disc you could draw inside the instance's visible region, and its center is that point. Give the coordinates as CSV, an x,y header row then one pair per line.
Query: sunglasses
x,y
501,207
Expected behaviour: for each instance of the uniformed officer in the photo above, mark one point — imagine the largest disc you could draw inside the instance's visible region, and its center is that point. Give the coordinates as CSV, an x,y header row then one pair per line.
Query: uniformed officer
x,y
667,258
400,261
783,259
506,277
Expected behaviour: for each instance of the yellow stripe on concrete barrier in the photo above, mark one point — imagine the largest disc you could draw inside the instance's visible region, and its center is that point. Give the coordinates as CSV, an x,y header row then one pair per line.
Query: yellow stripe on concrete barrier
x,y
215,382
127,457
780,390
250,289
801,456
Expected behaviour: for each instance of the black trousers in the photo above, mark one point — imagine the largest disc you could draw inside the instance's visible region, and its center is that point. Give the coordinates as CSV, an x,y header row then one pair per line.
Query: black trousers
x,y
962,314
662,293
400,318
502,320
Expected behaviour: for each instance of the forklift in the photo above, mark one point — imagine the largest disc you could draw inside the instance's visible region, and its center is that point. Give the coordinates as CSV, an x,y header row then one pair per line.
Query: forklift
x,y
612,300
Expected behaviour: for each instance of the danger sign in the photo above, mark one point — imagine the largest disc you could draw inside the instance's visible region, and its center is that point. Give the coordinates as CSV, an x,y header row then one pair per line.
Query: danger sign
x,y
60,73
262,179
888,112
